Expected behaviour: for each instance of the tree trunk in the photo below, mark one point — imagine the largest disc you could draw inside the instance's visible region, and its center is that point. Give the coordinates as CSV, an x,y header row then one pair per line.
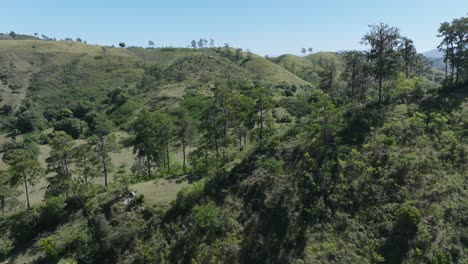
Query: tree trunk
x,y
406,70
168,161
261,125
148,164
380,91
240,137
104,164
183,154
27,192
85,171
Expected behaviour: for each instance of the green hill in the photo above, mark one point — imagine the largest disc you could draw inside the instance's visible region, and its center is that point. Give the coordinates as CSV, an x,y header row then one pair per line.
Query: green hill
x,y
309,67
216,155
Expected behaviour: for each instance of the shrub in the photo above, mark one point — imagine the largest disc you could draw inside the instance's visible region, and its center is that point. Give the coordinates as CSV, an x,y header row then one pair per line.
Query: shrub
x,y
72,126
6,245
187,197
206,217
52,212
271,165
408,218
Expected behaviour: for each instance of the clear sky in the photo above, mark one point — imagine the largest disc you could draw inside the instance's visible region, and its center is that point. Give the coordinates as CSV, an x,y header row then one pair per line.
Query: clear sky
x,y
266,27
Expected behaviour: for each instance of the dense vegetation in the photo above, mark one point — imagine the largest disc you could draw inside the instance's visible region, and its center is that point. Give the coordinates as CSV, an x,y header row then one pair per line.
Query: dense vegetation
x,y
358,157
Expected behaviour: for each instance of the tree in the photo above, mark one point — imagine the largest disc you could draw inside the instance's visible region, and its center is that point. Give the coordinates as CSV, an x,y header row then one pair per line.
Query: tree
x,y
453,45
310,50
23,166
71,126
79,40
154,132
193,44
355,73
12,34
212,42
184,130
327,76
408,54
200,43
383,41
239,109
87,163
122,44
104,142
303,51
145,142
263,103
60,160
150,43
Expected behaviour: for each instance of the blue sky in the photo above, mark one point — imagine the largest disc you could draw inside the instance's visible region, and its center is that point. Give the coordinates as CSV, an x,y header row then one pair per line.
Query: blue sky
x,y
265,27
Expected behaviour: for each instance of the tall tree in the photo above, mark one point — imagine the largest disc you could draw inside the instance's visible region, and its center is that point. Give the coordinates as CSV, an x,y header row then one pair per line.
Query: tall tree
x,y
104,142
154,133
454,45
239,108
184,131
408,54
150,43
87,163
303,51
193,44
327,77
60,160
383,41
24,167
355,73
145,142
263,103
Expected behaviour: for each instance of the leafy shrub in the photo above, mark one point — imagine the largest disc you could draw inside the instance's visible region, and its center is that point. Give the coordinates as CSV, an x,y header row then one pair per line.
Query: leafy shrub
x,y
408,218
52,212
206,217
271,165
23,227
6,245
187,197
71,126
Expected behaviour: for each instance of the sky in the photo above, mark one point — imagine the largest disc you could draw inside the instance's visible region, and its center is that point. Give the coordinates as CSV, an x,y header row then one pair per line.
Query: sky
x,y
271,27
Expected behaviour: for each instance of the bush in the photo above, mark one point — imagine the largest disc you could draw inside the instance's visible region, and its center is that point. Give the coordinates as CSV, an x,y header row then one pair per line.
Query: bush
x,y
271,165
206,217
187,197
30,120
72,126
23,227
52,212
6,245
408,218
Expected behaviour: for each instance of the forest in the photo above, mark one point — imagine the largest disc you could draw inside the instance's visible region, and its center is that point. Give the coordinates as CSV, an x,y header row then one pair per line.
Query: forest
x,y
214,154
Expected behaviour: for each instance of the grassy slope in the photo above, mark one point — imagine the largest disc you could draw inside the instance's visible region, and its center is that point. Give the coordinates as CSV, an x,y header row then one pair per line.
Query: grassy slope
x,y
309,66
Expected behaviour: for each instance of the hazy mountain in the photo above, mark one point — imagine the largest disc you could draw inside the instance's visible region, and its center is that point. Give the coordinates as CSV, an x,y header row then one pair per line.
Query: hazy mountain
x,y
435,53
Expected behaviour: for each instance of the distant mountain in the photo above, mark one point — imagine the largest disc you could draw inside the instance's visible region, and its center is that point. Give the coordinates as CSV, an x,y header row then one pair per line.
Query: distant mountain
x,y
435,53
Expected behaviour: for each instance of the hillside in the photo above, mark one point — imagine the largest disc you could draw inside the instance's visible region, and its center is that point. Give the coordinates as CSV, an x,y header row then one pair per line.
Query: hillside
x,y
216,155
309,67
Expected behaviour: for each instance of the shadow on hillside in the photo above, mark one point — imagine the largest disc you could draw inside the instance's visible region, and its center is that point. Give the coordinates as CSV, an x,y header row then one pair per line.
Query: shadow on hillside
x,y
446,99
